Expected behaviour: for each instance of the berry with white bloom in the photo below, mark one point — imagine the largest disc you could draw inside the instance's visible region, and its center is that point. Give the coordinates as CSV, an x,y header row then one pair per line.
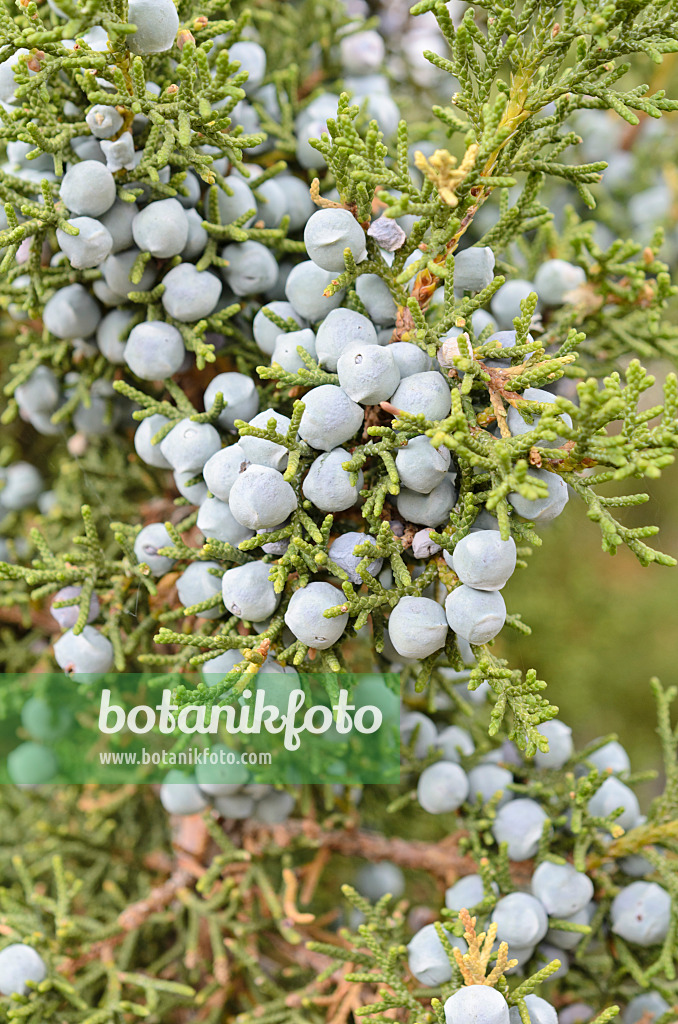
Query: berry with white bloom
x,y
421,467
473,269
84,653
426,956
410,359
88,188
340,329
252,59
216,521
561,888
328,233
330,417
20,964
196,584
180,794
220,471
561,746
368,374
442,787
641,913
285,352
157,24
251,268
650,1003
146,545
189,445
305,288
505,303
265,331
328,485
103,121
417,627
262,451
248,592
161,228
521,919
612,795
520,825
465,894
190,294
147,451
424,393
71,313
240,397
486,780
341,552
89,247
432,509
483,560
154,350
476,1004
306,619
376,880
362,53
542,510
555,279
259,498
475,615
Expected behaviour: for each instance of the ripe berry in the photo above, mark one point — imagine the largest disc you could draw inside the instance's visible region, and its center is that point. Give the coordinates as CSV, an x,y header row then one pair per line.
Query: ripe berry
x,y
330,417
248,592
88,652
483,560
88,188
328,233
146,545
612,795
189,445
417,627
304,289
641,913
339,329
190,294
542,510
285,352
427,394
432,509
367,373
161,228
157,23
341,552
475,615
561,746
220,471
421,467
154,350
20,964
426,956
240,395
521,919
71,313
252,268
328,485
180,794
260,497
89,247
476,1004
442,787
68,615
196,584
305,615
561,888
520,824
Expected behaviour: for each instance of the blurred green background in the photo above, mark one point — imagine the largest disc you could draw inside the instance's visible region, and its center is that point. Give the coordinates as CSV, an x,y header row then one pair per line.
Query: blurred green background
x,y
602,625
